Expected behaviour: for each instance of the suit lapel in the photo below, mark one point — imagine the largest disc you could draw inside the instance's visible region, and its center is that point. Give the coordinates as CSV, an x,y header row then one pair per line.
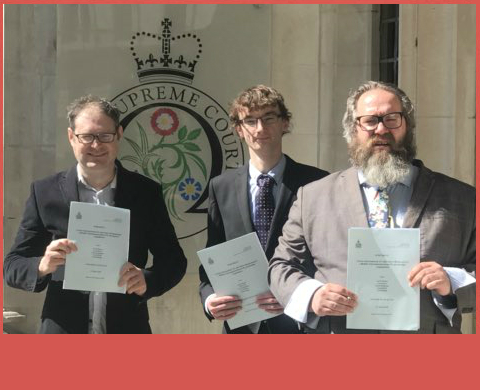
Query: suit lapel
x,y
123,198
69,185
287,190
421,192
351,195
241,189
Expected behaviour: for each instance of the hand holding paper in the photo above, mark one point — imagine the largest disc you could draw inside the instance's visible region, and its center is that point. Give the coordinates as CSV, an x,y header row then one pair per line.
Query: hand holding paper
x,y
333,300
432,276
133,279
269,303
224,307
55,256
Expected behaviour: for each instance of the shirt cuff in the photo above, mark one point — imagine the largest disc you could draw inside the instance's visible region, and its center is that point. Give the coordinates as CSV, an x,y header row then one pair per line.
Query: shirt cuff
x,y
206,304
458,278
297,307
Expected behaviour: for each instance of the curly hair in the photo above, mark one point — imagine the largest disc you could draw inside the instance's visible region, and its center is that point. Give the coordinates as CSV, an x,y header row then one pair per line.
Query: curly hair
x,y
78,105
349,118
257,98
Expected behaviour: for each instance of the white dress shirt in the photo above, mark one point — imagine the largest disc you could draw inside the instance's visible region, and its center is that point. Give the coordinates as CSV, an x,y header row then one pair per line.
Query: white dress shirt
x,y
98,300
277,174
399,198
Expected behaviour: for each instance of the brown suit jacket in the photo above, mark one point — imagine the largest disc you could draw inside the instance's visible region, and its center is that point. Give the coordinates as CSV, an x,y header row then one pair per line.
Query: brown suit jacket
x,y
316,232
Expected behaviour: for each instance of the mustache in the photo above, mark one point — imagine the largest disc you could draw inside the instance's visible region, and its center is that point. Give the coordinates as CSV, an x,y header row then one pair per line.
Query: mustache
x,y
386,138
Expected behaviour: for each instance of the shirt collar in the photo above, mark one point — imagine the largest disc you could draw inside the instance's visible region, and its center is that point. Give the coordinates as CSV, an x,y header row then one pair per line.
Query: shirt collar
x,y
81,179
276,172
406,181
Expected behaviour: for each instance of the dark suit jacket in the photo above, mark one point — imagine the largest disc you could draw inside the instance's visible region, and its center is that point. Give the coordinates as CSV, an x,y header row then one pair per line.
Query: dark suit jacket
x,y
46,219
316,234
229,218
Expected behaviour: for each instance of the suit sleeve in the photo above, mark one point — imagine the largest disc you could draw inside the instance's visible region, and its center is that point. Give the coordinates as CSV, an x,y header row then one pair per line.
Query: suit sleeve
x,y
292,262
20,266
466,296
169,262
216,235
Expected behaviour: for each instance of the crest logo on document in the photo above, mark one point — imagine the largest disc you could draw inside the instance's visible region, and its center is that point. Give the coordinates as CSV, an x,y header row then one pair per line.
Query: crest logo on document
x,y
174,133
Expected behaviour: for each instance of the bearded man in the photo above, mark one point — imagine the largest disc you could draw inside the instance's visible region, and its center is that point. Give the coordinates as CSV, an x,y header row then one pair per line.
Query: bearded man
x,y
308,270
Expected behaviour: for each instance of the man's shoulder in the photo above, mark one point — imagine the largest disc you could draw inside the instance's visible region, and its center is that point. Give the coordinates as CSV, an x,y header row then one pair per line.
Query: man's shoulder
x,y
229,175
50,180
331,181
136,179
447,184
305,170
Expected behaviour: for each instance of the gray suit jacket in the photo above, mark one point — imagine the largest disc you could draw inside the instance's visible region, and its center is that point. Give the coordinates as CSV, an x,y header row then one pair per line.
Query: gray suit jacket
x,y
316,233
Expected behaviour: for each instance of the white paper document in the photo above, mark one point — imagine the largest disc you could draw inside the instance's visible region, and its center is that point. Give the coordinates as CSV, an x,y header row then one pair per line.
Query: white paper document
x,y
379,261
102,237
239,267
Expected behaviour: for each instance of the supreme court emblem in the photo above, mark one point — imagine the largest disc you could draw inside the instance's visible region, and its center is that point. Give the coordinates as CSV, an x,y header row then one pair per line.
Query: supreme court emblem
x,y
174,133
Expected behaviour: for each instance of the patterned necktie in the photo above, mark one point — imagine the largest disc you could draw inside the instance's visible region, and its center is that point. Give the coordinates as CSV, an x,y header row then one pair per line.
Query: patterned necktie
x,y
378,217
264,208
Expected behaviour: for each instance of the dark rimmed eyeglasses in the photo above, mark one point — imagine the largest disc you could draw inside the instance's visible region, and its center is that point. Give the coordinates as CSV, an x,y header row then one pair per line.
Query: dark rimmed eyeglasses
x,y
392,120
267,120
103,138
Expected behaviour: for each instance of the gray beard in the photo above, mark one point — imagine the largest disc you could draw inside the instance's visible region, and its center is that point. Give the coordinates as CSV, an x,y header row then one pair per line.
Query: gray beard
x,y
383,168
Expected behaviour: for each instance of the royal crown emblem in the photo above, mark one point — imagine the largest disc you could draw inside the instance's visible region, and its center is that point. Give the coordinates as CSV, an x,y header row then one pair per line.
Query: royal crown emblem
x,y
162,57
174,133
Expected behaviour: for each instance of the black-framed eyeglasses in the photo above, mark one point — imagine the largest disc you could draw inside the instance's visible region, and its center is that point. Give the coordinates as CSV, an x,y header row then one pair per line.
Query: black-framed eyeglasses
x,y
267,120
103,138
392,120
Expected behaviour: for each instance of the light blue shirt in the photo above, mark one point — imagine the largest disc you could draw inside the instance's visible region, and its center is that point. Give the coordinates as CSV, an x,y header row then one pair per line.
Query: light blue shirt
x,y
399,198
399,195
276,173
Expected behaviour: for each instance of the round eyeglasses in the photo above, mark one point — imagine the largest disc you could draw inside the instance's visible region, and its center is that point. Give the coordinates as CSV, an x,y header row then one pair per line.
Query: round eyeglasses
x,y
103,138
392,120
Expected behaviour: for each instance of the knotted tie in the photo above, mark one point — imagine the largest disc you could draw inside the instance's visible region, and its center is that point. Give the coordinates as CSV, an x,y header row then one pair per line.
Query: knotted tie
x,y
378,217
264,207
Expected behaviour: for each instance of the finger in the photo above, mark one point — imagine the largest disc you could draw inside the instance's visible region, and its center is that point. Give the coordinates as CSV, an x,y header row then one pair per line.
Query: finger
x,y
274,311
126,267
265,295
227,306
225,314
417,279
343,300
272,306
340,305
126,276
63,245
340,290
266,301
225,299
419,268
137,286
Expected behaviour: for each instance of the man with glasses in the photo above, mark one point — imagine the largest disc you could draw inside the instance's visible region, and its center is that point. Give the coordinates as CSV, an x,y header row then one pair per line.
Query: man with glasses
x,y
386,187
38,256
255,197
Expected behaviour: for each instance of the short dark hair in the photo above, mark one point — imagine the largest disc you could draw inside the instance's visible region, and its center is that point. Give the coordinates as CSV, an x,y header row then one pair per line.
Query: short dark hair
x,y
257,98
78,105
